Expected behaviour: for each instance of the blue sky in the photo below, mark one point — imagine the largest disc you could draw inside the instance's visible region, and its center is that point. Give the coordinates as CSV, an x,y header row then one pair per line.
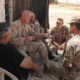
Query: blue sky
x,y
71,1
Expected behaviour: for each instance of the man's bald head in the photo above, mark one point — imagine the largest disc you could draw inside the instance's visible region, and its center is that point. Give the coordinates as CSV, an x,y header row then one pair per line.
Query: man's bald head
x,y
26,16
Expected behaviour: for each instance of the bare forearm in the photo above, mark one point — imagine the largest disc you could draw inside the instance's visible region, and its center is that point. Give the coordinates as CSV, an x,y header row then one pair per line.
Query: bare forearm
x,y
56,44
28,64
64,44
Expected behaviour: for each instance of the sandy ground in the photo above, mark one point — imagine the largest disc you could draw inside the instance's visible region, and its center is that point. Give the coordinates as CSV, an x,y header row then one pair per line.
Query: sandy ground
x,y
66,13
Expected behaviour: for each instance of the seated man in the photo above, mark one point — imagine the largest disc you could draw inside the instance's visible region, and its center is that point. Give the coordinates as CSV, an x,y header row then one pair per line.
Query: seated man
x,y
26,39
35,25
70,69
10,58
60,35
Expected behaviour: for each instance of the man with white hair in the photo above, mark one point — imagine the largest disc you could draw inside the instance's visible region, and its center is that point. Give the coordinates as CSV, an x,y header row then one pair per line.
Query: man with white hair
x,y
26,39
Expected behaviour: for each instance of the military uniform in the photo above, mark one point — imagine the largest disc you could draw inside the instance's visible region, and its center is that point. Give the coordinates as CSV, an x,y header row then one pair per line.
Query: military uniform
x,y
35,25
19,32
71,60
72,57
60,35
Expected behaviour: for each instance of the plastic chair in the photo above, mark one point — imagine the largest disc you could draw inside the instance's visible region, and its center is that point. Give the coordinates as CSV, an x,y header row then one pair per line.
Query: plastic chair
x,y
3,72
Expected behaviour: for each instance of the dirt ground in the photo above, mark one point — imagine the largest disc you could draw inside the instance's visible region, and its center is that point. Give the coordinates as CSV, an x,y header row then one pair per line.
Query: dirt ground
x,y
62,11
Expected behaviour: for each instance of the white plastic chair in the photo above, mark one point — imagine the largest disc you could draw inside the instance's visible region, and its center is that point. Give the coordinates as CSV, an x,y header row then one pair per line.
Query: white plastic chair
x,y
3,72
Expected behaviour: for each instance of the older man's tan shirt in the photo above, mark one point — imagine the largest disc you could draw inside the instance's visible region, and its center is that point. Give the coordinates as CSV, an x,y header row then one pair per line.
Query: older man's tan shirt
x,y
19,32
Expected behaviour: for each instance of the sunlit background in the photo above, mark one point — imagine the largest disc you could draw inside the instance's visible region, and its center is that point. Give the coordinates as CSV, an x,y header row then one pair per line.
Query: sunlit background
x,y
70,1
66,9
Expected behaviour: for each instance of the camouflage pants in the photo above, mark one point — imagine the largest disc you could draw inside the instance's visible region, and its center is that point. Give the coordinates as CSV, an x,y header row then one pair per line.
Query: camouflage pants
x,y
36,47
63,74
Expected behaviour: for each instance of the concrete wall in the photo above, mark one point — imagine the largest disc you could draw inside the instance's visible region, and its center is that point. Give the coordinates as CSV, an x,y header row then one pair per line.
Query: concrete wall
x,y
2,10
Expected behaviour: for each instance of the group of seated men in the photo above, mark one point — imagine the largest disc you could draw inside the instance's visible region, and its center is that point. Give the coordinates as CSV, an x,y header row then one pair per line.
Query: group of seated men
x,y
25,36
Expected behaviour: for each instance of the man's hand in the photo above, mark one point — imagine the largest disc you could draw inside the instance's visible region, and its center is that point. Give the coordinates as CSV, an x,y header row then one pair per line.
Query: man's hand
x,y
45,35
29,38
56,44
65,64
36,68
37,73
61,47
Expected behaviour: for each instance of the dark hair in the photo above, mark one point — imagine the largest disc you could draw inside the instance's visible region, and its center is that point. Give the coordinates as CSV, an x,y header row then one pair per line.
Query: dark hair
x,y
77,25
4,27
71,24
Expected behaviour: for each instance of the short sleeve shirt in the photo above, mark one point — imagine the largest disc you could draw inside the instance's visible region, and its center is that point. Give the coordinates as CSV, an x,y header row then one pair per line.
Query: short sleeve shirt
x,y
60,35
10,58
72,52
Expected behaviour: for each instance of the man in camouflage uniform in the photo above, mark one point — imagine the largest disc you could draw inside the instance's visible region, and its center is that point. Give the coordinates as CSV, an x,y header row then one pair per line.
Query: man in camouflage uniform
x,y
72,52
26,39
60,34
70,69
35,25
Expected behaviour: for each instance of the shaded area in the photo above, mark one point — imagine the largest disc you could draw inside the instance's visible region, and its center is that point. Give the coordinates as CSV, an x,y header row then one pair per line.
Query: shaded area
x,y
39,7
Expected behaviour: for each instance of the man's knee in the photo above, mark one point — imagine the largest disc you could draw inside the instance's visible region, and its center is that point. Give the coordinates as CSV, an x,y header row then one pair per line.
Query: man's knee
x,y
42,45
